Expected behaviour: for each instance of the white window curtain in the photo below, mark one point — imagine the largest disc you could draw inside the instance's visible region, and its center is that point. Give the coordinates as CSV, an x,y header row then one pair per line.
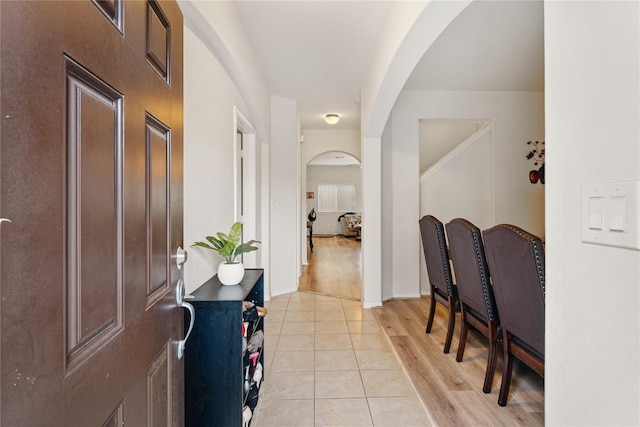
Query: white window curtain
x,y
336,197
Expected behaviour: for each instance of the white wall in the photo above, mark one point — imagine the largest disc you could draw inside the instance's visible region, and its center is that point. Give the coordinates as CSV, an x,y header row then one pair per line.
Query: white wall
x,y
327,222
410,30
372,221
438,137
404,202
219,26
321,141
386,190
209,98
516,118
220,73
460,184
285,222
592,76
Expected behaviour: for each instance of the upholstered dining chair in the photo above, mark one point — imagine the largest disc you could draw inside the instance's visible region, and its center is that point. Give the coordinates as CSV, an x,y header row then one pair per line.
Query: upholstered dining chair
x,y
439,270
477,302
516,262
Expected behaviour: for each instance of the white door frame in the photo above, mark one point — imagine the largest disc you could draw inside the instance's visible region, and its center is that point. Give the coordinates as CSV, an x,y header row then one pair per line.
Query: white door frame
x,y
245,194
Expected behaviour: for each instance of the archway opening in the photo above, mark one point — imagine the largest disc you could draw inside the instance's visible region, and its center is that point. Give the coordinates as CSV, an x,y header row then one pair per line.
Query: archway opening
x,y
333,207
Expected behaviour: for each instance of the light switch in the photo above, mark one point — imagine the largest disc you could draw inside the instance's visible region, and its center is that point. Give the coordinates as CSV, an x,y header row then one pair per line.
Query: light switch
x,y
611,214
617,213
595,212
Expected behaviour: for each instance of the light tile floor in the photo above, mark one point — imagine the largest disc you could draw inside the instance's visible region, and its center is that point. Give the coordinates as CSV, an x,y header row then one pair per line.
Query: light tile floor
x,y
328,363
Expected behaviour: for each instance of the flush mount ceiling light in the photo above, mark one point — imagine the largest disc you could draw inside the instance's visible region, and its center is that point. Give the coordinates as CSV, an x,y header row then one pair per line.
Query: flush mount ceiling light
x,y
332,119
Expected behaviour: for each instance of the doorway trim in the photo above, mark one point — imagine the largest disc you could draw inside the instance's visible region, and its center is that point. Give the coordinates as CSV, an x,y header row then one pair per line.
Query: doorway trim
x,y
245,181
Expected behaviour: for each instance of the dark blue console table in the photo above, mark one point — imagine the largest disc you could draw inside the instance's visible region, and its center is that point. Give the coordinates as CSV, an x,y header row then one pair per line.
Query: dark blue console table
x,y
214,356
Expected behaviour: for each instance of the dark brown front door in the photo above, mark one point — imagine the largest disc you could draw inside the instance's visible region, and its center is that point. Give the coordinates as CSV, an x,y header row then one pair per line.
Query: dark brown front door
x,y
91,169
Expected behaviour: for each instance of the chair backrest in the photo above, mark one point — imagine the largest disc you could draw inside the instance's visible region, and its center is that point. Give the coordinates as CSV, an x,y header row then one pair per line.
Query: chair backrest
x,y
516,261
436,254
470,265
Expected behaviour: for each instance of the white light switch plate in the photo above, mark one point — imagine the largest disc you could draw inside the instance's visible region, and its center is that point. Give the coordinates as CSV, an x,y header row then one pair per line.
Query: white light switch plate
x,y
611,215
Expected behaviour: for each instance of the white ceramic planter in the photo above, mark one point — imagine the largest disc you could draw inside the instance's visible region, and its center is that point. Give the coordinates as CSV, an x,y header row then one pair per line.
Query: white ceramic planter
x,y
230,274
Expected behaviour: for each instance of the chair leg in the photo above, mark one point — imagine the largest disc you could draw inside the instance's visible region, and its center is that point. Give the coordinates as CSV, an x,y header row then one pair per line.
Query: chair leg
x,y
432,311
506,371
493,356
451,325
462,342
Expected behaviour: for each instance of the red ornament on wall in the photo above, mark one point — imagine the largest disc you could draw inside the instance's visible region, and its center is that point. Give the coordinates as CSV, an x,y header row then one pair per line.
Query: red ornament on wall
x,y
534,176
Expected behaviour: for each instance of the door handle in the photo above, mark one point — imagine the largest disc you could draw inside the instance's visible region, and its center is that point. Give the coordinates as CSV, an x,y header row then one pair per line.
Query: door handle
x,y
181,257
192,316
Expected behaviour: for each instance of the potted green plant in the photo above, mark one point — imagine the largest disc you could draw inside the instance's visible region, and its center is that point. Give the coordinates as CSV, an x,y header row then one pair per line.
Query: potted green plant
x,y
228,246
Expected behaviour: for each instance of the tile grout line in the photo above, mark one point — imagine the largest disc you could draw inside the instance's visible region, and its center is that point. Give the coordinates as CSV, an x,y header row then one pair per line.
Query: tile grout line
x,y
343,310
432,420
364,390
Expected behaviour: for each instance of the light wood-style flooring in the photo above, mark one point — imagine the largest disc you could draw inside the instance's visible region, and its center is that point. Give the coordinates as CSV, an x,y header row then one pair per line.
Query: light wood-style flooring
x,y
334,267
452,391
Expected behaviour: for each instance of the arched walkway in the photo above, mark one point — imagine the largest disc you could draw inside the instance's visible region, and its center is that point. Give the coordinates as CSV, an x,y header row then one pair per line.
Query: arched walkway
x,y
407,40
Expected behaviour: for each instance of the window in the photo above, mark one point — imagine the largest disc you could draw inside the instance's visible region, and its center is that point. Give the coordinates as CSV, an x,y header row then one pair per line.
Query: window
x,y
336,197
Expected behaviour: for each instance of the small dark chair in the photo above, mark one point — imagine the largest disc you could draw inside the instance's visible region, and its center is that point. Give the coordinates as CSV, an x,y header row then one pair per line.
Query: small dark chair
x,y
516,262
477,302
310,220
442,288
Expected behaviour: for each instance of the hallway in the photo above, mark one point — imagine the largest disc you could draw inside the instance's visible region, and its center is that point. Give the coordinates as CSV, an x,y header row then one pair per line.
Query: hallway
x,y
334,267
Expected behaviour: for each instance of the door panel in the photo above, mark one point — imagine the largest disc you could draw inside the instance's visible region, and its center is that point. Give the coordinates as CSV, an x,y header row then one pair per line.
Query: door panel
x,y
91,168
157,145
93,193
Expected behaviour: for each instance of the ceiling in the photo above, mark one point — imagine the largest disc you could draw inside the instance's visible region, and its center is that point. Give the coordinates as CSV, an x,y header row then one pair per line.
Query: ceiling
x,y
317,52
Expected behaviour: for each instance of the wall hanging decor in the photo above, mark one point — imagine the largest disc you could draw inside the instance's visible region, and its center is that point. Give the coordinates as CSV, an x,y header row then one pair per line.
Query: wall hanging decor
x,y
536,153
